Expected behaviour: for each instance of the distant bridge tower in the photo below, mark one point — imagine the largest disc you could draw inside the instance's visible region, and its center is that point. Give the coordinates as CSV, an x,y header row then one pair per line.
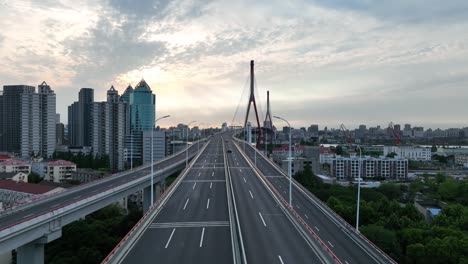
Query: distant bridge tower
x,y
252,100
268,123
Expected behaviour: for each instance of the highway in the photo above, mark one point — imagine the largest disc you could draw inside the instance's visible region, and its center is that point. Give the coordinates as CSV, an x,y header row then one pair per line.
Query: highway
x,y
194,225
80,192
269,236
338,236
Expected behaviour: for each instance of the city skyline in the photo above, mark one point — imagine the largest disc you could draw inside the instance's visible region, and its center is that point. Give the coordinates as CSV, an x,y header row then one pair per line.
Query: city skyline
x,y
323,62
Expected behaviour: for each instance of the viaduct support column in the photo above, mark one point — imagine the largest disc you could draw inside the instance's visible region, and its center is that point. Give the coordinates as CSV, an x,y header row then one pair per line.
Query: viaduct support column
x,y
147,197
158,188
33,252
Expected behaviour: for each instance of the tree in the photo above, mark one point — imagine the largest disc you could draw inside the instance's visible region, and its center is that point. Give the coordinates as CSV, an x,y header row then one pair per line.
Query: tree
x,y
416,253
390,190
385,239
448,190
391,155
34,178
339,150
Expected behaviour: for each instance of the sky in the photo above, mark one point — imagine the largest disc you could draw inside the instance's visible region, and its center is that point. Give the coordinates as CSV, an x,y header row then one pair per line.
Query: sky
x,y
326,62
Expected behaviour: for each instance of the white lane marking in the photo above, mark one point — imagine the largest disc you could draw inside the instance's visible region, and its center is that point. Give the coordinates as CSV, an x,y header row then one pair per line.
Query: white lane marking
x,y
195,184
317,228
346,262
79,196
208,203
26,216
251,194
55,205
298,206
306,216
212,174
186,203
170,237
240,170
201,238
244,180
211,185
280,259
215,160
330,243
203,166
199,174
237,163
261,217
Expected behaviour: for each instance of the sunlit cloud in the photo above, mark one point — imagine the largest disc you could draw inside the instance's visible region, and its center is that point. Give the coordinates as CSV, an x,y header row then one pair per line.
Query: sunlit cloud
x,y
326,62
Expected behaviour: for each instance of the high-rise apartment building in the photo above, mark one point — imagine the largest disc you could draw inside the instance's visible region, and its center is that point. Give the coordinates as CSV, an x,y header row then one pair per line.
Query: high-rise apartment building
x,y
38,115
79,119
110,126
10,126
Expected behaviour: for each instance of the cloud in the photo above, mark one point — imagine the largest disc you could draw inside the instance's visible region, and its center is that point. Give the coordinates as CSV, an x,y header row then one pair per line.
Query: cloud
x,y
323,61
403,11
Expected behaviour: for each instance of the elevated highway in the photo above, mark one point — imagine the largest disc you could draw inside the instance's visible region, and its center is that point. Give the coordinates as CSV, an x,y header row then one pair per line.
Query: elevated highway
x,y
28,227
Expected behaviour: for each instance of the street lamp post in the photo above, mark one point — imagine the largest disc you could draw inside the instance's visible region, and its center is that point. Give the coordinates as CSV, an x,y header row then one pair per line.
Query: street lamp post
x,y
359,189
289,161
186,151
152,159
131,150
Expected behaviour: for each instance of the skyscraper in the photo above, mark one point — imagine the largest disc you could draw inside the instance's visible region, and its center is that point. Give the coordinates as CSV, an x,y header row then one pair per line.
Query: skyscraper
x,y
126,95
110,125
79,119
142,115
10,126
38,131
142,106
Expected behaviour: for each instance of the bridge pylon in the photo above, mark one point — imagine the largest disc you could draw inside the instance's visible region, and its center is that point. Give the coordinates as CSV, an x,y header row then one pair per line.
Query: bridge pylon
x,y
252,100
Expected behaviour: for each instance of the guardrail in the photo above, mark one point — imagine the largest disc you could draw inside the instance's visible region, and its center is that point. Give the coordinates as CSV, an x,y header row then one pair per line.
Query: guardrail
x,y
153,211
323,207
80,187
233,215
41,220
298,217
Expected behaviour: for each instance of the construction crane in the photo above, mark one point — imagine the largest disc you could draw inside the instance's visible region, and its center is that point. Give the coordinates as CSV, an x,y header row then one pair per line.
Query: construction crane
x,y
395,134
346,134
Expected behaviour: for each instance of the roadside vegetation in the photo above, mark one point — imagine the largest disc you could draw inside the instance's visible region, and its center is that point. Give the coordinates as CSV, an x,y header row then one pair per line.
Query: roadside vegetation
x,y
390,220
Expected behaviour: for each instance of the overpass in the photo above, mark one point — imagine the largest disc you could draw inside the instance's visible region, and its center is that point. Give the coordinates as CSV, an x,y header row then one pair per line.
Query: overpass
x,y
28,227
230,206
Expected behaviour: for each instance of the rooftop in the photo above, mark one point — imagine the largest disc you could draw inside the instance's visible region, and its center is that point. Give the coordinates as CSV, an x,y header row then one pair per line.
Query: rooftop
x,y
14,162
60,163
24,187
142,86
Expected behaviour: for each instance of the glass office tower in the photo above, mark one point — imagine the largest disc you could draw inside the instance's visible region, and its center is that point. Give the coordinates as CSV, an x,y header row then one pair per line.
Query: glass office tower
x,y
142,103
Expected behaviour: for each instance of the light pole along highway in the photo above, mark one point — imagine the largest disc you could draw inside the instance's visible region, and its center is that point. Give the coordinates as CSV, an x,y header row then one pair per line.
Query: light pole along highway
x,y
289,161
152,160
186,151
359,189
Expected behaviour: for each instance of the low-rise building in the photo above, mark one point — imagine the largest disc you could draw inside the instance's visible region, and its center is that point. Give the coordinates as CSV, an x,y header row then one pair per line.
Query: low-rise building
x,y
12,193
409,152
302,156
4,157
461,159
15,166
349,168
326,155
86,175
58,170
14,176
